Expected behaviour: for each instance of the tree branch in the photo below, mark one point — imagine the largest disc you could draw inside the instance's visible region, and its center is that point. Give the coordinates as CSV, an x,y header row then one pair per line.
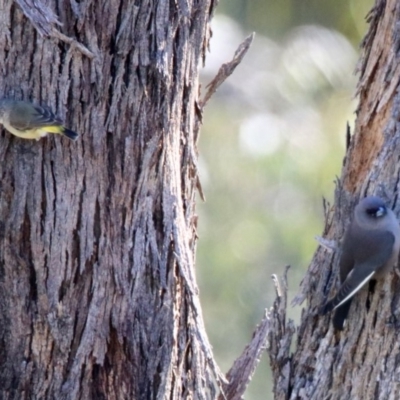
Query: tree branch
x,y
227,69
280,338
244,367
72,42
40,14
44,20
273,334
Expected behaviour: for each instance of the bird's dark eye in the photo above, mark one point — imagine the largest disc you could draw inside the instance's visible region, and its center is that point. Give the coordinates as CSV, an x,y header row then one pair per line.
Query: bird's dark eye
x,y
376,211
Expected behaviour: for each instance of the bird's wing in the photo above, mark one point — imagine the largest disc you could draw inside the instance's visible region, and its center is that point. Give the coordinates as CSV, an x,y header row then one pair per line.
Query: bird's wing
x,y
373,254
25,116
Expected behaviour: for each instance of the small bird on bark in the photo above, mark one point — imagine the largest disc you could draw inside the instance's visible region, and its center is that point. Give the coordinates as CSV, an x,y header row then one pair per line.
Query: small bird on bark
x,y
30,121
370,248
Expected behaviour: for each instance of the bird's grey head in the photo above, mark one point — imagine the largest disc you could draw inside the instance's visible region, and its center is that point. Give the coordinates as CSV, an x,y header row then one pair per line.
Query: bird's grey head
x,y
372,207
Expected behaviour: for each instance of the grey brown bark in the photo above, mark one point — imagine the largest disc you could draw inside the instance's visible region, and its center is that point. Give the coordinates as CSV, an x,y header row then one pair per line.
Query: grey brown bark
x,y
98,298
363,361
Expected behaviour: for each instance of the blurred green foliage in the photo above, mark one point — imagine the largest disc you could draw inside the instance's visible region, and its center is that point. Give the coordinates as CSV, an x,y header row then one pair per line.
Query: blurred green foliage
x,y
272,144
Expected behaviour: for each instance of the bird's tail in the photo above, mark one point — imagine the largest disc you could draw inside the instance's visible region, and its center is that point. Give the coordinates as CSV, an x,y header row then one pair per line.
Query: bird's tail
x,y
340,315
69,134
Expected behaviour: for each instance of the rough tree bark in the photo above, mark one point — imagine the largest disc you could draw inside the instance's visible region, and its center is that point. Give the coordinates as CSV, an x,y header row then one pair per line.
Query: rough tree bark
x,y
98,298
363,361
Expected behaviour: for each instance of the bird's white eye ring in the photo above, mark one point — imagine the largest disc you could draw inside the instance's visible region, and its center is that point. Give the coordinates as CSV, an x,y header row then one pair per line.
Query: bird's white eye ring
x,y
376,211
381,211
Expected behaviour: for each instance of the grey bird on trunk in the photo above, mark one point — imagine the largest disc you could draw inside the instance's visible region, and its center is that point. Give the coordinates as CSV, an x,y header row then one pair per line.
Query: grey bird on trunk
x,y
370,248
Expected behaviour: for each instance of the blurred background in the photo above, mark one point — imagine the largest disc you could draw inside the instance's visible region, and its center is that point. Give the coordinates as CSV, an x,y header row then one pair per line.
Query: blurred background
x,y
272,142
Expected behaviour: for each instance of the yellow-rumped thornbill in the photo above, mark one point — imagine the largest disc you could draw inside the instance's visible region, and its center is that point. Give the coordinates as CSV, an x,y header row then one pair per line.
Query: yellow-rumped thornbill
x,y
29,121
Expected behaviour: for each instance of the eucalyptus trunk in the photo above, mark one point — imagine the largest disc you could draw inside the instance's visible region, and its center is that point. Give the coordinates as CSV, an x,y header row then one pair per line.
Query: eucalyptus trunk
x,y
363,360
98,298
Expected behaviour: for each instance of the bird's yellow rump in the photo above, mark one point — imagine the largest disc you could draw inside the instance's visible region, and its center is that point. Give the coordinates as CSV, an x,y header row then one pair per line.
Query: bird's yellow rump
x,y
30,121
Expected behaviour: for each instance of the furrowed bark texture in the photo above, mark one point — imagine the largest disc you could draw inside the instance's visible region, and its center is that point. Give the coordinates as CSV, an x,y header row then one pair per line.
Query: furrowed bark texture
x,y
98,298
362,361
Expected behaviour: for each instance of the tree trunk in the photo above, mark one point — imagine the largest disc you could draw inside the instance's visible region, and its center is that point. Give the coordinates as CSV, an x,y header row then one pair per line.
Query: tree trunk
x,y
362,361
98,298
